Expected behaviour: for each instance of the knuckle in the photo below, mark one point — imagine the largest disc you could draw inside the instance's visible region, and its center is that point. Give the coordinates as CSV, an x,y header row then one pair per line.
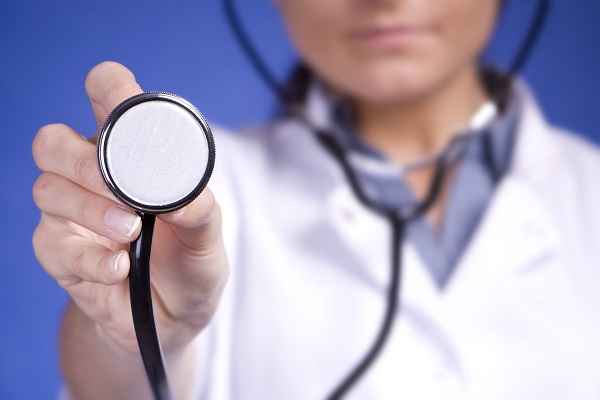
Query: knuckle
x,y
44,140
212,208
40,189
86,169
209,199
205,211
43,246
86,210
38,241
78,263
207,204
200,212
216,212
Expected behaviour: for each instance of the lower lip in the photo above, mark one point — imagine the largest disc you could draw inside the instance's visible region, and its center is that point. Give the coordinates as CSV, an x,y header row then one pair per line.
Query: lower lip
x,y
389,39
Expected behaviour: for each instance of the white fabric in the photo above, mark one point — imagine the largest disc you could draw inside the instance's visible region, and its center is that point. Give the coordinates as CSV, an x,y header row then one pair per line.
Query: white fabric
x,y
157,153
519,319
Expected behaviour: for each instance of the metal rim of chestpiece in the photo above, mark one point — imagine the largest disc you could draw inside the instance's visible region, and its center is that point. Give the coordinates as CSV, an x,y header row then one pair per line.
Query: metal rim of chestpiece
x,y
103,140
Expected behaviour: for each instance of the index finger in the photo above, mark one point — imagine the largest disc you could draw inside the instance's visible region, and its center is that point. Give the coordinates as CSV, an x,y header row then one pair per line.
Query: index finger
x,y
107,85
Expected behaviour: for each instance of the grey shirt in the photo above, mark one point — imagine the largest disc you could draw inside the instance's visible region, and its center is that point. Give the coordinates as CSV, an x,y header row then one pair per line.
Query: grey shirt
x,y
480,168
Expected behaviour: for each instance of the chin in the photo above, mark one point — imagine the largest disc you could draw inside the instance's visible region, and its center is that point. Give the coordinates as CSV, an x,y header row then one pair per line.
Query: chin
x,y
389,82
389,90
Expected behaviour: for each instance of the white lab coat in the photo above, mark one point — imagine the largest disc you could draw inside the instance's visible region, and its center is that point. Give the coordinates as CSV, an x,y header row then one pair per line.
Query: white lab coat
x,y
518,319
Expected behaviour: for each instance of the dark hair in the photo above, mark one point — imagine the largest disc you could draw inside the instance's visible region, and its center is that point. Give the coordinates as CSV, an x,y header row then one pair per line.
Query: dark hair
x,y
298,81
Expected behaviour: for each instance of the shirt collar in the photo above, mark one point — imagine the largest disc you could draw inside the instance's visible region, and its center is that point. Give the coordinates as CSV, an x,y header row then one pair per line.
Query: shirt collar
x,y
334,115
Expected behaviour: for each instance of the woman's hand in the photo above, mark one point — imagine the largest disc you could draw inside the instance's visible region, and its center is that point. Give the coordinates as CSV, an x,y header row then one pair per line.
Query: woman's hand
x,y
83,234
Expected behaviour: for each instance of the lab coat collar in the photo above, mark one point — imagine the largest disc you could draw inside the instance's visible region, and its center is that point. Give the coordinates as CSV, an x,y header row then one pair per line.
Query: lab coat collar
x,y
536,154
517,229
515,216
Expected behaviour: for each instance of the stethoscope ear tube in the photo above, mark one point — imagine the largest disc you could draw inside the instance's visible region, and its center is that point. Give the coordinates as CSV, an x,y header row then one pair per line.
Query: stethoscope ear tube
x,y
142,311
532,36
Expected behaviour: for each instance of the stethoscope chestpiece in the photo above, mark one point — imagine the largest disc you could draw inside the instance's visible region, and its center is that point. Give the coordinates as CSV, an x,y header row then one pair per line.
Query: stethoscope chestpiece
x,y
156,152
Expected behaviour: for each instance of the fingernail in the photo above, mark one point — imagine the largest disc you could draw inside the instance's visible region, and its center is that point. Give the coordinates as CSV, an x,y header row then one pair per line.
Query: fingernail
x,y
113,263
121,221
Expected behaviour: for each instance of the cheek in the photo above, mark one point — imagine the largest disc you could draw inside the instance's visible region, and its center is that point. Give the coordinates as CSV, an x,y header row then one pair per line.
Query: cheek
x,y
467,26
316,27
313,25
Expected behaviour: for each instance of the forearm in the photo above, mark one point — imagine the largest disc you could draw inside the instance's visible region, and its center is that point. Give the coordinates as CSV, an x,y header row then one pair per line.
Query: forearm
x,y
92,369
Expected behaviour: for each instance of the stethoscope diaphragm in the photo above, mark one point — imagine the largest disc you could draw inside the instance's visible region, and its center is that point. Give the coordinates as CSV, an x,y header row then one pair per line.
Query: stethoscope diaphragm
x,y
155,152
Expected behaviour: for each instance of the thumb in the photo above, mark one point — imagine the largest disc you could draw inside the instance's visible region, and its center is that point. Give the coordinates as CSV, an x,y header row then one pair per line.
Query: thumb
x,y
197,225
107,85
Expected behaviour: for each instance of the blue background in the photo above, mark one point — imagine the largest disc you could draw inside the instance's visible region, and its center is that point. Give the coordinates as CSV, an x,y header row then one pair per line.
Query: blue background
x,y
184,47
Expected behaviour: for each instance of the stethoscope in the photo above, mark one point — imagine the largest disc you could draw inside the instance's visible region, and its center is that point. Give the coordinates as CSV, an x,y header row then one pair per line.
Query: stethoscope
x,y
156,154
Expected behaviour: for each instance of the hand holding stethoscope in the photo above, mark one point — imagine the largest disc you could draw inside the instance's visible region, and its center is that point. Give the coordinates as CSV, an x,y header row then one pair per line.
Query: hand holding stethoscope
x,y
82,241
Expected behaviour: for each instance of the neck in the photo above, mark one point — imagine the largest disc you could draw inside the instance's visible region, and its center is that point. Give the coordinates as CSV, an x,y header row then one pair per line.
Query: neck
x,y
406,131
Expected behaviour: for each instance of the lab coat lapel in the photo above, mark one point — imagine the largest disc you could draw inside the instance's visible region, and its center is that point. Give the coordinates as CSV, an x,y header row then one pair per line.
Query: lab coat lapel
x,y
518,232
366,236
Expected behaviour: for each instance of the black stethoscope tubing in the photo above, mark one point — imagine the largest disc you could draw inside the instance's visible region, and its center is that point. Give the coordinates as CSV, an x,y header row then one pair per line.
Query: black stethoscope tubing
x,y
142,311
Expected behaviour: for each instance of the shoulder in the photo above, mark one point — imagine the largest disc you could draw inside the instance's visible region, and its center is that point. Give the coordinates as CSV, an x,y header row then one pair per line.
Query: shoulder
x,y
573,186
270,164
580,173
562,166
280,149
254,145
550,150
241,150
581,154
577,164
